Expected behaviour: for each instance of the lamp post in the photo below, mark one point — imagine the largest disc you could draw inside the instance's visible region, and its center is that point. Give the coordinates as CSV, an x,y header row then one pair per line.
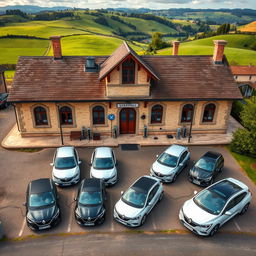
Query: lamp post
x,y
191,123
61,133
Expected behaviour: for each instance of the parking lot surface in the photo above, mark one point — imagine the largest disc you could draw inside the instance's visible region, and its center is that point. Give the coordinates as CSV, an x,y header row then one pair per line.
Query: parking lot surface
x,y
18,168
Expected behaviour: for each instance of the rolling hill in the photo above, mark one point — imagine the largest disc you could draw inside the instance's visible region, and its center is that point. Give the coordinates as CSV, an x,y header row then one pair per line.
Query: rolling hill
x,y
251,27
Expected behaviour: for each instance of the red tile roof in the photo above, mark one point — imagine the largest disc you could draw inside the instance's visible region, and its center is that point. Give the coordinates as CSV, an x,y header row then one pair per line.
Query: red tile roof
x,y
42,79
117,57
243,70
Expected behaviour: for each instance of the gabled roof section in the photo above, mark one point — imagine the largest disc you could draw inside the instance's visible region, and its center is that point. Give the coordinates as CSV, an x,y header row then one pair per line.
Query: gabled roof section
x,y
243,70
117,57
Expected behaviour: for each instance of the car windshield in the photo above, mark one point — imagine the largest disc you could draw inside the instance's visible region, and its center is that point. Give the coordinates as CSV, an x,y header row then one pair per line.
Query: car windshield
x,y
65,162
134,198
168,160
42,199
205,163
90,198
211,201
103,163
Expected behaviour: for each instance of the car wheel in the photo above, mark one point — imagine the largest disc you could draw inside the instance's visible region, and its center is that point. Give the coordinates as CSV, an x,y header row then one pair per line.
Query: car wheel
x,y
161,196
244,210
143,220
174,177
214,230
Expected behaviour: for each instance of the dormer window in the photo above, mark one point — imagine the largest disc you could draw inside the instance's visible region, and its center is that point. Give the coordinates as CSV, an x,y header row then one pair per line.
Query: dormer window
x,y
128,71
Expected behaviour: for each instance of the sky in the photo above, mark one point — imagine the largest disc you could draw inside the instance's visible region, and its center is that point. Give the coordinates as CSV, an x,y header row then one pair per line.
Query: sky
x,y
152,4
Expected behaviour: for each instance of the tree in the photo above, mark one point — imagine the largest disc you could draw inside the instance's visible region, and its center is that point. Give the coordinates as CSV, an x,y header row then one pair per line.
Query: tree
x,y
244,140
157,43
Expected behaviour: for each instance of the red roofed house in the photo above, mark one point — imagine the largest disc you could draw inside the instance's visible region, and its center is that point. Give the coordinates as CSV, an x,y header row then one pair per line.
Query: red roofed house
x,y
161,93
245,77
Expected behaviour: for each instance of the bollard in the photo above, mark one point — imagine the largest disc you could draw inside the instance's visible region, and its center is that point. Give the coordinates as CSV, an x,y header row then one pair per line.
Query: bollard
x,y
178,134
145,132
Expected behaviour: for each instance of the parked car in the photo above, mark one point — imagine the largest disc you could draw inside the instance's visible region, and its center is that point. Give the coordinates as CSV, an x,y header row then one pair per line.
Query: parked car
x,y
3,100
170,163
90,202
103,165
206,168
138,200
42,209
66,170
206,212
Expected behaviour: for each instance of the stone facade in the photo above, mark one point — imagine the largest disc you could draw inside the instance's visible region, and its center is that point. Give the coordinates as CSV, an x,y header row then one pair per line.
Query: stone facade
x,y
82,117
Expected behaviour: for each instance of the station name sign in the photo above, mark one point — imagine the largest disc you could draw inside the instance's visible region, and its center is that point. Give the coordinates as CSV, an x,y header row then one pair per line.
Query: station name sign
x,y
127,105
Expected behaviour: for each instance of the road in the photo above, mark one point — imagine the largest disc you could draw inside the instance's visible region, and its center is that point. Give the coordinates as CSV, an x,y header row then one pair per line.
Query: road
x,y
133,245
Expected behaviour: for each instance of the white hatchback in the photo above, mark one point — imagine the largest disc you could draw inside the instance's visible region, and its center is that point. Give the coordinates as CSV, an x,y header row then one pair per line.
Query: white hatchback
x,y
103,165
206,212
66,171
138,200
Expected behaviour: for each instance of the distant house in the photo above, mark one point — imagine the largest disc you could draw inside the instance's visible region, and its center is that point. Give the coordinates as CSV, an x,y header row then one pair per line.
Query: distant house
x,y
157,93
245,77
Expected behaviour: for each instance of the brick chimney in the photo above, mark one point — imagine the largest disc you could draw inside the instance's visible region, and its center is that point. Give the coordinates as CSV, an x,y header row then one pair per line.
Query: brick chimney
x,y
56,46
175,47
219,51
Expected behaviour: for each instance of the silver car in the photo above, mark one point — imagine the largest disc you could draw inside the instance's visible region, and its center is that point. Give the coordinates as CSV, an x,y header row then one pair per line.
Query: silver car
x,y
170,163
206,212
66,171
103,165
138,200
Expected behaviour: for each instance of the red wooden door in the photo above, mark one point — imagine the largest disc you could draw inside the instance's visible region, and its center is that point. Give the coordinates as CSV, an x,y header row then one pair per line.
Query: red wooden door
x,y
127,121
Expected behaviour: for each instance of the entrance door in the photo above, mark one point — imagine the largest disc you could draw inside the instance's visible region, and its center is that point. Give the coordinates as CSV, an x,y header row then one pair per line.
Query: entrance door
x,y
127,121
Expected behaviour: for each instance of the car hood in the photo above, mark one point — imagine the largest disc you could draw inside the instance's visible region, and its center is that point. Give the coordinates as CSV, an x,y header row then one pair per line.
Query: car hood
x,y
42,213
65,173
103,173
200,173
196,214
89,211
165,170
128,211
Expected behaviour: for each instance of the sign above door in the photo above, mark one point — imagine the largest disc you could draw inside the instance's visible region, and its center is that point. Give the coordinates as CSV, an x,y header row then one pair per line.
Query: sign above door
x,y
127,105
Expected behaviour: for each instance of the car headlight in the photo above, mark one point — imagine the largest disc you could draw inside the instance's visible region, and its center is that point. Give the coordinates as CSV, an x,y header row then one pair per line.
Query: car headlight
x,y
205,226
102,213
208,179
77,213
136,218
56,214
76,176
30,218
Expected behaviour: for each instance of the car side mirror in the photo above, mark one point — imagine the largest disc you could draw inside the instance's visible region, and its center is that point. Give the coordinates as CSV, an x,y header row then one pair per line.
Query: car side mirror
x,y
181,164
195,192
51,164
157,156
228,213
79,162
75,199
122,192
149,203
24,204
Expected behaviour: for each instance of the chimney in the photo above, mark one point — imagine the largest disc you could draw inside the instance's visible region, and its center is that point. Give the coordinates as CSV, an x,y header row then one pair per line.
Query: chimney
x,y
175,47
56,46
219,51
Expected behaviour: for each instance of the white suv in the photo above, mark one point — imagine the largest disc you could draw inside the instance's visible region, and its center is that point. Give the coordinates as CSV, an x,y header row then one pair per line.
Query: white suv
x,y
206,212
170,163
103,165
137,202
66,171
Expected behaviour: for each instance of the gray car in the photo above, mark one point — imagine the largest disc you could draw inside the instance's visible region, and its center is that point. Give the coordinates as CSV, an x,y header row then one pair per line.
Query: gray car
x,y
170,163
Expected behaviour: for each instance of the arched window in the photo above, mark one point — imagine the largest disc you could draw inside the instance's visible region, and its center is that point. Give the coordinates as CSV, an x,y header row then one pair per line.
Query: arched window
x,y
209,111
128,71
156,114
98,115
66,115
40,116
187,113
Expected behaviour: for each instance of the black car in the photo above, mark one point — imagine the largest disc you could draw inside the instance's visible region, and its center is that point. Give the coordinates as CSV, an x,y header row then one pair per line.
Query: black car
x,y
206,168
90,208
3,100
41,204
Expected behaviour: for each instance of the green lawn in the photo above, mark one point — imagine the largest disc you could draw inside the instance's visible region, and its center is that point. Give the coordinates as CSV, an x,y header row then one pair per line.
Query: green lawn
x,y
246,163
11,49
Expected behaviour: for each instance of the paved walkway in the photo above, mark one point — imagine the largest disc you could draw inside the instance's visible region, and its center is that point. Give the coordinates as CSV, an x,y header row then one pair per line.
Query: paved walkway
x,y
14,140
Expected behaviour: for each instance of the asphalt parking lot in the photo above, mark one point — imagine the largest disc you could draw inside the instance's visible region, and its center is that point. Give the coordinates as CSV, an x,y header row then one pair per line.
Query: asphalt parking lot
x,y
18,168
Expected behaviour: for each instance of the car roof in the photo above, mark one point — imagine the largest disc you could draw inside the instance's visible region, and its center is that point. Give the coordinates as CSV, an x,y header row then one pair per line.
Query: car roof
x,y
40,186
65,152
212,154
144,183
226,188
103,152
175,150
91,184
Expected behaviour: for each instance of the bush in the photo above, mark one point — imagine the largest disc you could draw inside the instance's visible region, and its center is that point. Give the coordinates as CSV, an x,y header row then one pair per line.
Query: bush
x,y
237,108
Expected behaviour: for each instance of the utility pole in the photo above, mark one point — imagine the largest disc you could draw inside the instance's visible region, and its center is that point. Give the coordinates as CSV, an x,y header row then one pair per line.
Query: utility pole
x,y
61,133
191,123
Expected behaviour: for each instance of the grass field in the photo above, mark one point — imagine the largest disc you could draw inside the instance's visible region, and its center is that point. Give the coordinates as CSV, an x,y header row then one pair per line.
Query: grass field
x,y
11,49
251,27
